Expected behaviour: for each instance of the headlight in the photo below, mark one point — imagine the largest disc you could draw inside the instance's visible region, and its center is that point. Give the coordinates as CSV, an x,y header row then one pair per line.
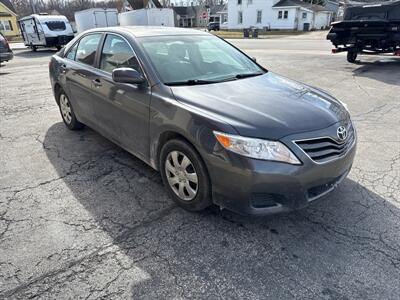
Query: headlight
x,y
257,148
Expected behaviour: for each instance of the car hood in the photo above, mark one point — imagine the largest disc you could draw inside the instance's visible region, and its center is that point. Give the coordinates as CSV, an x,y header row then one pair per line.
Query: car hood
x,y
267,106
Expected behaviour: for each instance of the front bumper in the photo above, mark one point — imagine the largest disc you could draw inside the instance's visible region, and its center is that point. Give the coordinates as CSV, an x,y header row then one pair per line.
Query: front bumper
x,y
6,56
258,187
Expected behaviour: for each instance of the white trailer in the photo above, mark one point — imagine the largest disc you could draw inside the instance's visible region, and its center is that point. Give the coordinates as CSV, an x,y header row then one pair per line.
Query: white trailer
x,y
149,17
95,17
45,31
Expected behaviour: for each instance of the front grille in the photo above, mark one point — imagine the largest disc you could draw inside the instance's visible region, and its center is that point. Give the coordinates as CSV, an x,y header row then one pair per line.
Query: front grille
x,y
325,149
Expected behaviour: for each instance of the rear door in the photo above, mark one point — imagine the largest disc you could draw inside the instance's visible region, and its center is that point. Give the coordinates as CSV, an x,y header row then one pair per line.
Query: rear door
x,y
122,110
32,34
79,65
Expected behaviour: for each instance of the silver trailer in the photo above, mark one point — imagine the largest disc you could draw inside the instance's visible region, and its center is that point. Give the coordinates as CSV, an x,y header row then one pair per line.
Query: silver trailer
x,y
95,17
149,17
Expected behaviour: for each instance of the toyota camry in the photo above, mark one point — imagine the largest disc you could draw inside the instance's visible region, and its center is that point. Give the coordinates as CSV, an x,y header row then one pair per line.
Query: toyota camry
x,y
219,127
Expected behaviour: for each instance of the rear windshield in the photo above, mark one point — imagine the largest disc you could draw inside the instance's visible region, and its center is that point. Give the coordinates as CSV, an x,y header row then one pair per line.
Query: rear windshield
x,y
56,25
369,16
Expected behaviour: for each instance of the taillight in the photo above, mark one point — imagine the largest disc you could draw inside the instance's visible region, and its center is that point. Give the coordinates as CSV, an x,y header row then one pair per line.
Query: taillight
x,y
50,63
6,42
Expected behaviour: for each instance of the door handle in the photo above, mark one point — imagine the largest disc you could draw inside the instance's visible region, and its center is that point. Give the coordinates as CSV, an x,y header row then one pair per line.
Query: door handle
x,y
96,82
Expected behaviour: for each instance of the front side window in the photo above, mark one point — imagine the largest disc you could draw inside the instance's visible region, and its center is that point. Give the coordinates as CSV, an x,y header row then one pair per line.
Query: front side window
x,y
87,48
178,59
117,54
240,17
259,16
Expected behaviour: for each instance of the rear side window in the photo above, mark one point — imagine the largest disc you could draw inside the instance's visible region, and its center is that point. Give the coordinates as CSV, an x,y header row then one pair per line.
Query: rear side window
x,y
72,52
86,51
117,53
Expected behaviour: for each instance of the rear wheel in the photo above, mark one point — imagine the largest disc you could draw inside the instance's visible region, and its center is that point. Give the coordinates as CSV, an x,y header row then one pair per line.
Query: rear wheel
x,y
185,176
67,112
352,56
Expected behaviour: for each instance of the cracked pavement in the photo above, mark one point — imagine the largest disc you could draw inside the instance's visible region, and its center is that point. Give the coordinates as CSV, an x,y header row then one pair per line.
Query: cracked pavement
x,y
82,218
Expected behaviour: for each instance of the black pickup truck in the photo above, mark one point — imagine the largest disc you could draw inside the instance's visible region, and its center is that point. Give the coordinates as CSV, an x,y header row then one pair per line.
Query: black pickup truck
x,y
369,29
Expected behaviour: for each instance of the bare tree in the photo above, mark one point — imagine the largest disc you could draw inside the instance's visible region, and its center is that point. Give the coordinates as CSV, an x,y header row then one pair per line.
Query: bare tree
x,y
64,7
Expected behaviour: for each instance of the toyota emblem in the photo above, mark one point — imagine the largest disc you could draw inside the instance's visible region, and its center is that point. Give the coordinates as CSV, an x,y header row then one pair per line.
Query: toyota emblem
x,y
341,133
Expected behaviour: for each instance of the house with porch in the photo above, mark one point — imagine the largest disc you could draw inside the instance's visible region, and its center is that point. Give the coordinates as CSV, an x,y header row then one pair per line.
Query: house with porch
x,y
8,19
278,14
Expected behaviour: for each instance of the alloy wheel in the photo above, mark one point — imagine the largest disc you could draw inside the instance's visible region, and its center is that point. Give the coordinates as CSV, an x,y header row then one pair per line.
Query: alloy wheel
x,y
65,109
181,175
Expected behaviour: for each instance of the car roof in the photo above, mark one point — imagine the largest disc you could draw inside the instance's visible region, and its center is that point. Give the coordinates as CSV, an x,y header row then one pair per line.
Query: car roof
x,y
141,31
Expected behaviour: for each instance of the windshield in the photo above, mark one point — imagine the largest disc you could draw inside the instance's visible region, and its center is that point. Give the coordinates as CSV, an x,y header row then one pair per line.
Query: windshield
x,y
197,59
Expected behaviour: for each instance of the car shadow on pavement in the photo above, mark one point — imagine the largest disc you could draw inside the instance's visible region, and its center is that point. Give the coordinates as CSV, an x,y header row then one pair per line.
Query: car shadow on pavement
x,y
34,54
343,246
386,70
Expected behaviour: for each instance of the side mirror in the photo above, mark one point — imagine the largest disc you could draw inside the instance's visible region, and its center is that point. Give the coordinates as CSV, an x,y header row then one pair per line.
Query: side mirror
x,y
127,75
254,59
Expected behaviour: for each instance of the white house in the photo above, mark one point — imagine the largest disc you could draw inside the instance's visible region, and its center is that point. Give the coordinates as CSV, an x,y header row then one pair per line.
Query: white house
x,y
277,14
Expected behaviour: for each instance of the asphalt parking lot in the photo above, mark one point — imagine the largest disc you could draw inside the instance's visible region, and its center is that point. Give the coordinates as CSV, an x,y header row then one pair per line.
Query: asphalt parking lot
x,y
81,218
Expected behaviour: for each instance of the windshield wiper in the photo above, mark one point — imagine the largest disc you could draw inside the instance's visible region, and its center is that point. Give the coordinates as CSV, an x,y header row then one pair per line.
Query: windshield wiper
x,y
202,81
245,75
190,82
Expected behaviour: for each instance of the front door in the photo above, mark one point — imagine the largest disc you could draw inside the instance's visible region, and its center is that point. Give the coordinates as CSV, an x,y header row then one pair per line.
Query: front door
x,y
122,110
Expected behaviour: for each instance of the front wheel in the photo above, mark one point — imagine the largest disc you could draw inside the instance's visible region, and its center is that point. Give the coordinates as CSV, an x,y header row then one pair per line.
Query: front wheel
x,y
185,176
67,113
351,56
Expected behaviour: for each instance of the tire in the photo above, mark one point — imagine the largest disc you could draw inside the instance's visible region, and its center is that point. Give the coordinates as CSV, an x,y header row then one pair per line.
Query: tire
x,y
67,112
58,48
34,48
193,177
351,56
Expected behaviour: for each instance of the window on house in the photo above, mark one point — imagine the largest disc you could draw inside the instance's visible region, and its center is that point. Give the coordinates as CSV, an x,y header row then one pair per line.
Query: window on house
x,y
259,16
304,15
280,14
5,25
239,2
240,17
285,14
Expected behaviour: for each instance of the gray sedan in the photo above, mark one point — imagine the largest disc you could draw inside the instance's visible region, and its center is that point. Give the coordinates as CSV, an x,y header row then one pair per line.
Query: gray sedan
x,y
220,128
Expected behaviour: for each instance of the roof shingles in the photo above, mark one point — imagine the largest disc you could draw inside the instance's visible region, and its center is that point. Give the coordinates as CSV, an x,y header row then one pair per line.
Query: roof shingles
x,y
9,5
314,7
